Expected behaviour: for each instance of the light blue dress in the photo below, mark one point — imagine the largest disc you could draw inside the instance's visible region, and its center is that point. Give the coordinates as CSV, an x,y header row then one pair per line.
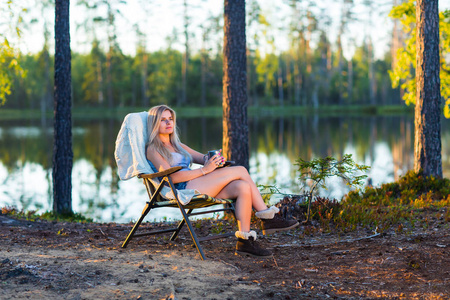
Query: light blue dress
x,y
178,160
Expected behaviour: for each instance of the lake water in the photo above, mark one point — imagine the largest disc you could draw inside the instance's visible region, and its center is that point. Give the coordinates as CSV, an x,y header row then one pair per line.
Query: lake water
x,y
383,143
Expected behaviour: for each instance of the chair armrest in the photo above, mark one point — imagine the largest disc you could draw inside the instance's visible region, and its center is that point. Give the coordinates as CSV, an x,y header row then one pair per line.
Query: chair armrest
x,y
160,174
227,164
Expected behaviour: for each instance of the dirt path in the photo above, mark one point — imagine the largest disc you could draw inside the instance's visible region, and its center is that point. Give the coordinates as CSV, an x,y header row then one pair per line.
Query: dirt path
x,y
45,260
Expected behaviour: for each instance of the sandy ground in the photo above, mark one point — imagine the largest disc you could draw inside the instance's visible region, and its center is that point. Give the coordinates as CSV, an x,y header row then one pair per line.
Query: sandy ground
x,y
50,260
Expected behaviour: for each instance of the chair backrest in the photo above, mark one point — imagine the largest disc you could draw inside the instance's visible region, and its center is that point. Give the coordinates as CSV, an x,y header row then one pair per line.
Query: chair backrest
x,y
130,146
131,158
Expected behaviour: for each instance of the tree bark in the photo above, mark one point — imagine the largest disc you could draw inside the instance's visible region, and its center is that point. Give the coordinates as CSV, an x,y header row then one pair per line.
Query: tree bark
x,y
427,145
350,82
372,83
62,149
144,75
184,66
235,123
280,83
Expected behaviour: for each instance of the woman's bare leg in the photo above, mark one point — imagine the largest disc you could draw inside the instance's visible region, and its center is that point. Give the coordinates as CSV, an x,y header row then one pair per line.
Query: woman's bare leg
x,y
239,190
212,183
234,183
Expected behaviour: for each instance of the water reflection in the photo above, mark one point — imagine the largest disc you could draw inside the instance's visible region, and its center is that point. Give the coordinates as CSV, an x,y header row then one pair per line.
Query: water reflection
x,y
384,143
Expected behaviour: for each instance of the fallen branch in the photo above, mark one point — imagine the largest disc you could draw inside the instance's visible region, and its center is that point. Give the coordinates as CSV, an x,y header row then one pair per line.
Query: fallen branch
x,y
224,262
326,244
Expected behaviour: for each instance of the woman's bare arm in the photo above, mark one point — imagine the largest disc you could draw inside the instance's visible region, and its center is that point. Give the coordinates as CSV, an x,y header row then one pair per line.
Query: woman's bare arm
x,y
161,164
197,157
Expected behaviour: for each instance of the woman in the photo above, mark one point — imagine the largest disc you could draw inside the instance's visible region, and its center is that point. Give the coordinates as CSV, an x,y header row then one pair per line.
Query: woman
x,y
164,150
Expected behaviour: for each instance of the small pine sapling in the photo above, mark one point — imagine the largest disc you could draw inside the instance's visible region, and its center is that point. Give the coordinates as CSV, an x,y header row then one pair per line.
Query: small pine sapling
x,y
318,170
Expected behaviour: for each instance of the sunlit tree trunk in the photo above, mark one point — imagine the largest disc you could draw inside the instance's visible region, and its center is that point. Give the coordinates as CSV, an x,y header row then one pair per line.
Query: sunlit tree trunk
x,y
329,71
396,43
299,74
297,48
133,89
249,77
427,145
144,82
46,94
309,88
372,86
100,82
235,124
298,84
109,56
203,71
350,81
289,85
109,87
62,149
184,66
347,6
280,82
203,68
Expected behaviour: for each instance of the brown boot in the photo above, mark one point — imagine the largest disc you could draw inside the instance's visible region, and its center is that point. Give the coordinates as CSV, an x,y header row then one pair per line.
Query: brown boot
x,y
247,245
251,248
277,223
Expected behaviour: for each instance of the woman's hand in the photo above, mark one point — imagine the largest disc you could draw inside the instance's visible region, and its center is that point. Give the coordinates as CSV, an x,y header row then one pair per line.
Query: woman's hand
x,y
213,163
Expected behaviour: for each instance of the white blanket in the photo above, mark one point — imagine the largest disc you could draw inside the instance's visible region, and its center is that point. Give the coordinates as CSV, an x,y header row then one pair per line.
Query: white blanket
x,y
130,154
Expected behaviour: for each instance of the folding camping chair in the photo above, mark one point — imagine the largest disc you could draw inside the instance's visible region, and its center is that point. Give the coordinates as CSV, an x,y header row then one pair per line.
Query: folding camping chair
x,y
131,161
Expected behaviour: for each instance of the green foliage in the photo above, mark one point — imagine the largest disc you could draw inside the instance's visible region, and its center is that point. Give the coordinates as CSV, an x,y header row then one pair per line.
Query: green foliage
x,y
218,228
403,74
325,211
267,191
304,70
9,63
48,216
395,204
412,189
9,66
266,69
318,170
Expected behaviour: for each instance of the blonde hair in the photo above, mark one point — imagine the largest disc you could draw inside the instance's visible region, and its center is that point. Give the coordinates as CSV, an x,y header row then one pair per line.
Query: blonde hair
x,y
153,122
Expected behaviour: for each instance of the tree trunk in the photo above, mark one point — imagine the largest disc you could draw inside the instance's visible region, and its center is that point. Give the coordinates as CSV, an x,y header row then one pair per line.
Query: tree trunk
x,y
340,58
298,83
203,70
100,82
184,65
249,77
109,84
427,145
396,43
46,95
280,84
372,84
350,82
235,124
144,75
109,57
289,85
62,149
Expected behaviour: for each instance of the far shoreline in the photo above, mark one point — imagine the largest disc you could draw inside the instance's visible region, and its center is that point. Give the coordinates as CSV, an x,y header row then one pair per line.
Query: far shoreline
x,y
216,111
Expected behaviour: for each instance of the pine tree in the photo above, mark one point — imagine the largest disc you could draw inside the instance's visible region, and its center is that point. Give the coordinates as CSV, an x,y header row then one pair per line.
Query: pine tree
x,y
62,148
235,124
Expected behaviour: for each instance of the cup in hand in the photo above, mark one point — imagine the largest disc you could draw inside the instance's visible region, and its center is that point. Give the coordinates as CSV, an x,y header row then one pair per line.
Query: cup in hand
x,y
212,153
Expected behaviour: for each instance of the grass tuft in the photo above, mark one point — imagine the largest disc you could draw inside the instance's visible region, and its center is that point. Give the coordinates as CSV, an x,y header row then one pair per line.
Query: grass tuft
x,y
47,216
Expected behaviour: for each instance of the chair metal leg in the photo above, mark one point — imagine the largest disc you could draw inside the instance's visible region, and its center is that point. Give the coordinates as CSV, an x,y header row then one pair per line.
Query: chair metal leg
x,y
191,231
145,211
188,222
175,234
136,225
154,194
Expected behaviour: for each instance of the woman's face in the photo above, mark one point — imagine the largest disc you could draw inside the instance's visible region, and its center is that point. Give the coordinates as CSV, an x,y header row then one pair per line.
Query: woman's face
x,y
166,125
